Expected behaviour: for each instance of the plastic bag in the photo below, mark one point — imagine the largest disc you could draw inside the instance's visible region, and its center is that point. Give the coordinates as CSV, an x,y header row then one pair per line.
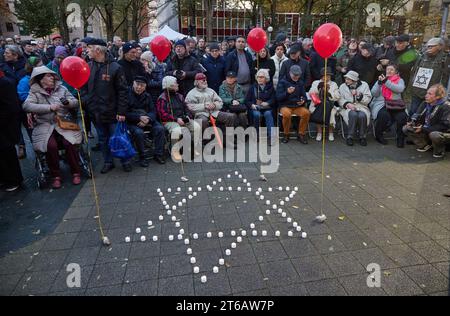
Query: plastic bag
x,y
120,143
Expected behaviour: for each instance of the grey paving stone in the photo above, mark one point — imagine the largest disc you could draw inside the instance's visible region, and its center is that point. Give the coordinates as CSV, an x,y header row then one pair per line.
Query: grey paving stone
x,y
403,255
49,260
143,288
15,263
35,283
312,268
216,285
443,267
176,286
269,251
396,282
70,226
329,287
289,290
107,274
83,256
114,253
343,263
262,293
245,278
429,279
431,251
60,242
175,265
8,283
326,246
147,249
298,248
60,284
112,290
142,270
279,273
374,255
356,285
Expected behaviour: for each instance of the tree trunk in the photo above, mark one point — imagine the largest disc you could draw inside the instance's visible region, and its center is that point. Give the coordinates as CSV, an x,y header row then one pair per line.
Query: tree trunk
x,y
62,13
273,15
208,10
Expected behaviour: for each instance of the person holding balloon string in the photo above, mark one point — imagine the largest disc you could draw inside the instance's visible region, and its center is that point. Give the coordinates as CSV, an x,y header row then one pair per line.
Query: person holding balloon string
x,y
264,61
317,107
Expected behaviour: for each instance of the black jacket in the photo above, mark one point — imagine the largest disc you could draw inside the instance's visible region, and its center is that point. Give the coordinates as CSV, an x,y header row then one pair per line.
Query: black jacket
x,y
140,105
132,69
266,63
232,63
439,119
365,67
317,63
9,114
304,65
14,71
265,95
105,94
215,71
290,100
190,66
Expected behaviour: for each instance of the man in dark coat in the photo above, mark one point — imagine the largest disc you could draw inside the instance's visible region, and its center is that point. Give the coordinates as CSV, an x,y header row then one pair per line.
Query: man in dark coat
x,y
10,173
295,59
142,114
240,62
365,64
183,67
131,67
215,68
105,97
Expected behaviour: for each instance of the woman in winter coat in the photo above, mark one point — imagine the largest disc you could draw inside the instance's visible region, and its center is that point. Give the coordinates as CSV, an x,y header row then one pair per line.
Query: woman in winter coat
x,y
263,61
389,88
317,109
48,99
278,59
354,101
60,55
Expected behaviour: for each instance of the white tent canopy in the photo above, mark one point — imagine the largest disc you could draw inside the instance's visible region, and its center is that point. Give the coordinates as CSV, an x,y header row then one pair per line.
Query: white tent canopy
x,y
166,31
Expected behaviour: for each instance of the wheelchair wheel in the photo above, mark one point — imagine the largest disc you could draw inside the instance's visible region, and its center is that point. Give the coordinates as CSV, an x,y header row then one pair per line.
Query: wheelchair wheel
x,y
84,164
41,182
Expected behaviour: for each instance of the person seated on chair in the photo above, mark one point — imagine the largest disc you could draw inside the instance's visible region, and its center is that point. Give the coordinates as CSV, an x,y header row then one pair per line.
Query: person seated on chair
x,y
430,126
333,95
204,102
233,98
141,115
354,100
174,115
49,99
261,101
292,98
387,92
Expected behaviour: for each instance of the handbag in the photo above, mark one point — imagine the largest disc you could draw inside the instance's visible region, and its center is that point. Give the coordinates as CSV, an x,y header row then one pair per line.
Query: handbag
x,y
67,123
395,105
120,143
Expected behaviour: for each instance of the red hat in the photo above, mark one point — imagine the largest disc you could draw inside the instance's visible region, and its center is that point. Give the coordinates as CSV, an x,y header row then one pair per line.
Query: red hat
x,y
200,76
55,36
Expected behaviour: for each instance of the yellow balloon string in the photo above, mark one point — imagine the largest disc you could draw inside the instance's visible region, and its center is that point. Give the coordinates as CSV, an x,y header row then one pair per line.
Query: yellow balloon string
x,y
97,203
323,137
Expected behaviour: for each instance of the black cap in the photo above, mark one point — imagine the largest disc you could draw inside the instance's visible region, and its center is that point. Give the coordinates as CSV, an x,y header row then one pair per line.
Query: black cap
x,y
141,79
27,42
231,74
231,38
403,38
294,49
213,46
94,41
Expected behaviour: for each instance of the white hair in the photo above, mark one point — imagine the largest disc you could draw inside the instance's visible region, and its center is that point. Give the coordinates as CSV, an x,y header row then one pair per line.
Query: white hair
x,y
263,72
168,82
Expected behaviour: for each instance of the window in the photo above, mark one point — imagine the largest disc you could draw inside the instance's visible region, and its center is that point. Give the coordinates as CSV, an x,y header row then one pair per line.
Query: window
x,y
9,27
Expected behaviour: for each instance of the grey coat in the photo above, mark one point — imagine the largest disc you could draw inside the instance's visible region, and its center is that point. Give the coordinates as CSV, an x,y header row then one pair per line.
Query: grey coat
x,y
378,101
38,102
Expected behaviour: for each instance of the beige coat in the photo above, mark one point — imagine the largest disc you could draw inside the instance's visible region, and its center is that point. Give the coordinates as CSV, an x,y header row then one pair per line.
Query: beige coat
x,y
347,97
197,99
38,102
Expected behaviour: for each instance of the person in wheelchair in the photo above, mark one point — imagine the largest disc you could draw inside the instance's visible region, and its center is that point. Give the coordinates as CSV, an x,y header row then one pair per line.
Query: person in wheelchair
x,y
141,116
174,115
52,103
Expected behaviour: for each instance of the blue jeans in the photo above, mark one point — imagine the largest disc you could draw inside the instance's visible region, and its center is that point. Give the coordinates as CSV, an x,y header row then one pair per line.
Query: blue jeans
x,y
105,131
256,115
159,138
415,103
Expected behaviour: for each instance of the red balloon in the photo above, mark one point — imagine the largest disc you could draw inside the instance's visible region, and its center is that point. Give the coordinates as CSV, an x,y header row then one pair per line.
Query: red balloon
x,y
75,71
161,47
257,39
327,39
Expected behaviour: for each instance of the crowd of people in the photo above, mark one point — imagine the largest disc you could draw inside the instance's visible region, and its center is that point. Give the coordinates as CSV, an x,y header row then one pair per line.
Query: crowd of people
x,y
392,84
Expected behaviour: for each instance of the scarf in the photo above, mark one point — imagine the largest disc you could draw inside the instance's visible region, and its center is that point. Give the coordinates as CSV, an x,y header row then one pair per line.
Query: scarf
x,y
429,110
385,91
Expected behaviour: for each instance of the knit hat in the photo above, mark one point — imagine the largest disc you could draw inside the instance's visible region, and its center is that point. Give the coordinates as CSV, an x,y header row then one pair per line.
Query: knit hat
x,y
214,46
200,76
180,43
127,47
403,38
168,81
61,51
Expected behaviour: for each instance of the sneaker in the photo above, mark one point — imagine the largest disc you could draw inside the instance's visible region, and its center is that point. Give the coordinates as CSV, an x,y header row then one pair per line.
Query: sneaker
x,y
76,180
331,137
439,155
56,183
127,167
424,149
349,141
302,139
12,188
144,163
107,168
160,159
363,142
319,137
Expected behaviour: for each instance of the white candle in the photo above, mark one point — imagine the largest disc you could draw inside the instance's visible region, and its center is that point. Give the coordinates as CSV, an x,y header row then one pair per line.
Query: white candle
x,y
214,183
190,197
169,190
177,224
209,235
261,197
184,201
245,181
257,193
216,270
220,180
282,203
236,173
161,218
159,190
161,194
138,230
244,233
127,240
280,188
249,189
252,226
169,213
178,189
233,245
171,237
278,233
261,218
164,203
280,211
204,279
233,233
267,212
182,231
260,190
270,189
190,189
249,184
268,202
199,189
289,220
174,208
174,218
193,260
274,206
283,214
299,228
221,262
295,224
239,189
163,199
143,238
196,270
228,252
290,234
254,233
220,235
167,207
186,242
287,199
304,235
194,194
221,188
189,251
195,236
239,239
180,237
264,233
155,238
296,189
228,176
230,189
288,188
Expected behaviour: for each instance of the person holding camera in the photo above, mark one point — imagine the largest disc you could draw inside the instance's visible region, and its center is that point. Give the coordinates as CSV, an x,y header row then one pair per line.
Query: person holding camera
x,y
141,115
291,96
429,128
387,105
184,67
233,98
174,115
50,101
354,101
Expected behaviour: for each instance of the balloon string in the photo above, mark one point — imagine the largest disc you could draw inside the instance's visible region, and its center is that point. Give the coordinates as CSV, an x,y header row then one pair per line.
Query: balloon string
x,y
94,186
323,137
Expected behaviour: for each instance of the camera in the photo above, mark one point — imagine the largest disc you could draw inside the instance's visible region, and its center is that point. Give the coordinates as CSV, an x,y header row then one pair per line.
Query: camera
x,y
185,119
64,101
179,74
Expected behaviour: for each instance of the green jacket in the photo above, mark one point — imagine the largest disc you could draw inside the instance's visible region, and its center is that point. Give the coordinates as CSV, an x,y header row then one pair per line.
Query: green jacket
x,y
228,96
441,71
